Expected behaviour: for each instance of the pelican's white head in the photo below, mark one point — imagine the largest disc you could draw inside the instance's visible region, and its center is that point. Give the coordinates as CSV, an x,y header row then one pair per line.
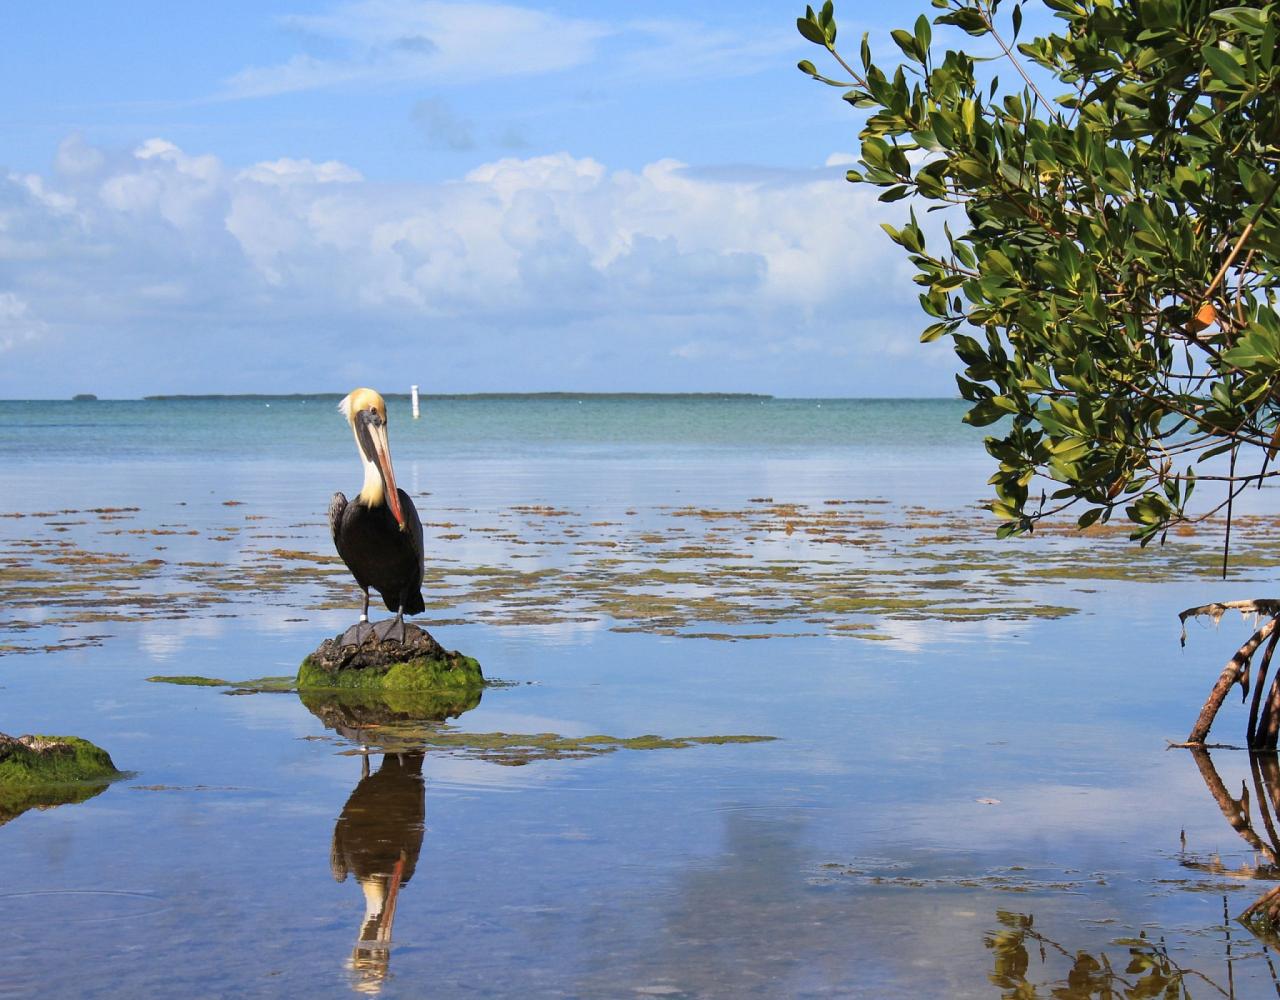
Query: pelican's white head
x,y
366,412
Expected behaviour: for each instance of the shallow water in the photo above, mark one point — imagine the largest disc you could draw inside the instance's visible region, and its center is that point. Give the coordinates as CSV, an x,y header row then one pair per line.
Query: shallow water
x,y
925,797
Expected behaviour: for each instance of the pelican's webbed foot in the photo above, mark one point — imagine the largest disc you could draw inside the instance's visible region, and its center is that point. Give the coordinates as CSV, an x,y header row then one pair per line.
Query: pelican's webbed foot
x,y
357,634
391,629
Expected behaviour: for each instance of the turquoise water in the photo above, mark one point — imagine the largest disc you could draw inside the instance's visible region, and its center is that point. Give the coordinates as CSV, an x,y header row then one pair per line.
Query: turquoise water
x,y
924,795
478,452
503,427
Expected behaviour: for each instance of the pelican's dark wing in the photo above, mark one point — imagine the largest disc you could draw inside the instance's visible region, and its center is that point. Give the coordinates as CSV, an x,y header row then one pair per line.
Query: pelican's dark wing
x,y
336,508
413,527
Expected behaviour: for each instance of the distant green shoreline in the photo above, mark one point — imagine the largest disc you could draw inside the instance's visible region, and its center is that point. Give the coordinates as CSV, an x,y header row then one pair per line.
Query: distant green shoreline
x,y
472,395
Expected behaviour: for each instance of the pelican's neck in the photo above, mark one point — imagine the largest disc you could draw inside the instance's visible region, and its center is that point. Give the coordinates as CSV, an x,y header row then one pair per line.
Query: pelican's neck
x,y
375,900
372,492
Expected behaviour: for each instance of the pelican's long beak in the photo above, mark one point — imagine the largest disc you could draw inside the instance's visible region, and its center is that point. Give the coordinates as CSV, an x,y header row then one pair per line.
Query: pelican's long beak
x,y
382,452
370,428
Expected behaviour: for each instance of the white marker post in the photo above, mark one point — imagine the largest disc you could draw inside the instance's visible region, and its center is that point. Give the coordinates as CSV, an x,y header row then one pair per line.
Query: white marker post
x,y
413,394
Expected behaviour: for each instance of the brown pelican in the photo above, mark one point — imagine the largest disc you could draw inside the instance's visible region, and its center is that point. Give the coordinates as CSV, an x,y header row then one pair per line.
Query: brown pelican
x,y
378,535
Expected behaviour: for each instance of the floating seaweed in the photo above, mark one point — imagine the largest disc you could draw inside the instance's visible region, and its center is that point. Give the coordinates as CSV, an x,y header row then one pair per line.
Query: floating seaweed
x,y
848,568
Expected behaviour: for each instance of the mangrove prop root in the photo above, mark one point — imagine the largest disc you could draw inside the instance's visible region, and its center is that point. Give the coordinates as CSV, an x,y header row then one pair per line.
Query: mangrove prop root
x,y
1269,724
1257,693
1267,906
1266,781
1235,811
1232,673
1259,607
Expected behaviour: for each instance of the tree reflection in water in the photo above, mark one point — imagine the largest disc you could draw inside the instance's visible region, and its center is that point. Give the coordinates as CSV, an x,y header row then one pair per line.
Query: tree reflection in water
x,y
1148,970
377,839
1261,917
379,833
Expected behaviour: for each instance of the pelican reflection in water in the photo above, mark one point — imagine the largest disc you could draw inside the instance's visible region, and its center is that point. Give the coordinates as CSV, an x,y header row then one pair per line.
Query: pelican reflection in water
x,y
377,839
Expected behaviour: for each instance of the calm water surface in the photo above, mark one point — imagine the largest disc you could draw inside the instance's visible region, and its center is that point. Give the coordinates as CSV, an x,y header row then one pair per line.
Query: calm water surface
x,y
967,810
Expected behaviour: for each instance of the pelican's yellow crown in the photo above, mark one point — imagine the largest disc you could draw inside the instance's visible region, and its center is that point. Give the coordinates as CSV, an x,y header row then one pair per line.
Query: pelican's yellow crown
x,y
361,399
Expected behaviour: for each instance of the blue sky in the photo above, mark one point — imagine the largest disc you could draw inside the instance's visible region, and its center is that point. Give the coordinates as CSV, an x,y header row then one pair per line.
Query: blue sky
x,y
472,196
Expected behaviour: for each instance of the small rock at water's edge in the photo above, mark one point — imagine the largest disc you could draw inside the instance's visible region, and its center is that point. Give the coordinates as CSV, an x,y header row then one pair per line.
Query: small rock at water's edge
x,y
41,772
27,761
387,657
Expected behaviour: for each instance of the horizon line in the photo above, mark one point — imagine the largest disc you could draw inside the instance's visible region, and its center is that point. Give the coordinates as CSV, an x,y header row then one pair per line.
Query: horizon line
x,y
552,394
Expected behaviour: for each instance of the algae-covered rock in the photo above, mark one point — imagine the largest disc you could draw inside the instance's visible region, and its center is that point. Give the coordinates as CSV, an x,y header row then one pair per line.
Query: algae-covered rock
x,y
39,772
376,658
26,761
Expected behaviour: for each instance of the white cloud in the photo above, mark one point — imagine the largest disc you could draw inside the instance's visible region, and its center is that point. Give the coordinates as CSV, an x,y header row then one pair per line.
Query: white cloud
x,y
706,350
366,43
682,50
17,325
287,171
396,41
526,267
75,157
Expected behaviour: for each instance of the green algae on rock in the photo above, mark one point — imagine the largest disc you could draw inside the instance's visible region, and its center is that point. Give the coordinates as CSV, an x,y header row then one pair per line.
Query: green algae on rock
x,y
366,659
51,760
39,772
453,672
